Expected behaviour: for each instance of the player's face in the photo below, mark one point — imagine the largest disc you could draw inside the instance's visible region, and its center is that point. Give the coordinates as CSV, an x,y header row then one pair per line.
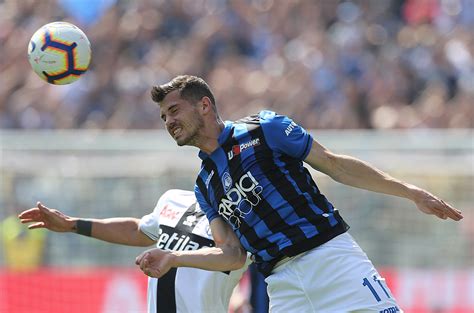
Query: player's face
x,y
182,119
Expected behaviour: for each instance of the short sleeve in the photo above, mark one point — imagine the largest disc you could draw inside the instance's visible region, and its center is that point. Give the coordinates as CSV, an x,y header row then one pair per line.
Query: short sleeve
x,y
285,136
205,206
150,223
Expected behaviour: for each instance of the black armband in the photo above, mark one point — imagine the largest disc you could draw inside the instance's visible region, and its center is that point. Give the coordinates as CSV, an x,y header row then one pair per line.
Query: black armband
x,y
84,227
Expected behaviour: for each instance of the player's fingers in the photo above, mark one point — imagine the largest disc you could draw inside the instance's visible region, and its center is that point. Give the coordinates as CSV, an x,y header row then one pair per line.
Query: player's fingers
x,y
451,207
138,259
452,212
147,272
41,206
444,210
154,273
440,212
437,211
36,225
27,220
145,264
453,215
28,212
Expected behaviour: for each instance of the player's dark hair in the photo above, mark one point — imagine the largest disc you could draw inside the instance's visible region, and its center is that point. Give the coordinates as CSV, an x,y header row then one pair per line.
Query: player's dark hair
x,y
191,88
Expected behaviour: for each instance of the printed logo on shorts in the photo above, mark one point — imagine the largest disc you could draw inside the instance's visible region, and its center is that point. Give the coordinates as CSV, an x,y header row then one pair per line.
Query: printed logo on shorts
x,y
238,149
392,309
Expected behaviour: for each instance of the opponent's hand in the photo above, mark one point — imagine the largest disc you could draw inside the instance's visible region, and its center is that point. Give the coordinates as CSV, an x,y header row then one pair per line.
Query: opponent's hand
x,y
44,217
430,204
155,262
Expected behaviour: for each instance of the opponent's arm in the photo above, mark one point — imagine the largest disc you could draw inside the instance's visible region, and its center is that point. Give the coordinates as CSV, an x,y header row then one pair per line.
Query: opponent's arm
x,y
120,230
227,255
354,172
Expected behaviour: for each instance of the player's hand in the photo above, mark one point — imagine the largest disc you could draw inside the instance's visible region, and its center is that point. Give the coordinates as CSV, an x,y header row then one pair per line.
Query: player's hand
x,y
44,217
430,204
155,262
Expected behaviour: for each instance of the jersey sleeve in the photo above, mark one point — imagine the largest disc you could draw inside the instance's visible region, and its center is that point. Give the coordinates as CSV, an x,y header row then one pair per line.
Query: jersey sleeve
x,y
285,136
205,206
150,223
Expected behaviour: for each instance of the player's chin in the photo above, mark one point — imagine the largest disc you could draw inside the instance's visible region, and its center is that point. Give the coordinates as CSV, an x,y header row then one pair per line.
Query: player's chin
x,y
182,141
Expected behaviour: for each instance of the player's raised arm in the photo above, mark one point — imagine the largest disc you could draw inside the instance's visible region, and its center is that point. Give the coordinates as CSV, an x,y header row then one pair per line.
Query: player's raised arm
x,y
354,172
120,230
227,255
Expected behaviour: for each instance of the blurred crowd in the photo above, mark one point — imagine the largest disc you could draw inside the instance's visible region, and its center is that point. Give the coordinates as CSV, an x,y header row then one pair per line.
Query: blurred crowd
x,y
328,64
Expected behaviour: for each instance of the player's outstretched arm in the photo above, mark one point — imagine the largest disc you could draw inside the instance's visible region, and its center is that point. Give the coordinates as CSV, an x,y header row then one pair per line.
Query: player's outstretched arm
x,y
120,230
227,255
354,172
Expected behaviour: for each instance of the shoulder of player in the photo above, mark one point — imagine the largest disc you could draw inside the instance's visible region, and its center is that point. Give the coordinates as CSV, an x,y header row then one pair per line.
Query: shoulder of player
x,y
267,115
173,197
264,115
173,194
273,123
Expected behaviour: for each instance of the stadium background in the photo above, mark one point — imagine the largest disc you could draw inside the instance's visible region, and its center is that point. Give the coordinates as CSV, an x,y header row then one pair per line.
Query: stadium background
x,y
391,82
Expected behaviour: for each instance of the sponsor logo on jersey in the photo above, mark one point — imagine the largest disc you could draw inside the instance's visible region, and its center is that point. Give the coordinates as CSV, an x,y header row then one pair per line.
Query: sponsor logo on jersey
x,y
240,199
170,213
238,149
290,128
176,242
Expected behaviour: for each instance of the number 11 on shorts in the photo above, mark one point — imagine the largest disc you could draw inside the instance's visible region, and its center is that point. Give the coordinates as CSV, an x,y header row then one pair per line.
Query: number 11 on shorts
x,y
367,283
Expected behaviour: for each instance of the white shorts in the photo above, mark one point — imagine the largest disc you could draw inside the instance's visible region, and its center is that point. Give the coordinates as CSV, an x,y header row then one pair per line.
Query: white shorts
x,y
335,277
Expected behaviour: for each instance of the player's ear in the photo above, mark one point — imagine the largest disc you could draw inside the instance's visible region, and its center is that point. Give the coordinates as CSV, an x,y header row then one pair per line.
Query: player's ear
x,y
205,105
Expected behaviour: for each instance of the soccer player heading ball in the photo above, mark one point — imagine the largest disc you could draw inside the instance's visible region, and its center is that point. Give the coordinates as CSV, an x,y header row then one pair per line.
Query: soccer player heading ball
x,y
259,197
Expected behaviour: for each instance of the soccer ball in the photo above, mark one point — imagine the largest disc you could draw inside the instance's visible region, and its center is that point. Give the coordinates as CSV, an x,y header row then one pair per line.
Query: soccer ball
x,y
59,53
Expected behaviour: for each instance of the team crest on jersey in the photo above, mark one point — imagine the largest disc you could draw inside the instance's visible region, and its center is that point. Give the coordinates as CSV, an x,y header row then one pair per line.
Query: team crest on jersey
x,y
226,181
190,221
238,149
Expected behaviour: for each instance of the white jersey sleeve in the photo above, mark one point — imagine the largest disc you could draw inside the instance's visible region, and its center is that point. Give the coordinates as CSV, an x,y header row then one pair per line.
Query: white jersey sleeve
x,y
177,223
150,223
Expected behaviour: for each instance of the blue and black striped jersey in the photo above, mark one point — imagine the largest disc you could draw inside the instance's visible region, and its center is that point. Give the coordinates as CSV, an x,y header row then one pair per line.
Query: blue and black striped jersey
x,y
256,181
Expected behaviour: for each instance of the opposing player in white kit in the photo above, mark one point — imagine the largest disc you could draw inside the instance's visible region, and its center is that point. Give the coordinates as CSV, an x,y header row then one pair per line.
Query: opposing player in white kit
x,y
177,223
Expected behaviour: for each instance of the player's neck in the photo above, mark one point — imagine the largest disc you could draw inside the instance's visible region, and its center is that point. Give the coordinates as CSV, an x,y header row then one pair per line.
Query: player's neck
x,y
208,140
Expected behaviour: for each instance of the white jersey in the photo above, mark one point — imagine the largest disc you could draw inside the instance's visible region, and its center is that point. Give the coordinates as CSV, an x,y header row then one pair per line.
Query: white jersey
x,y
177,223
